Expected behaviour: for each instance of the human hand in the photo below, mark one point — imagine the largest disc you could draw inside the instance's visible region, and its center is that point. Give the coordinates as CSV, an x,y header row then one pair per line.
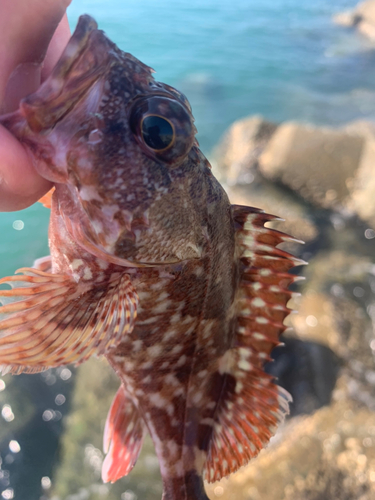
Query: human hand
x,y
33,35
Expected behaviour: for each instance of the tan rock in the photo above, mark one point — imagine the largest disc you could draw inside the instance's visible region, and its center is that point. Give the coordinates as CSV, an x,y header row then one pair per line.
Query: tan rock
x,y
361,128
362,17
362,199
297,221
318,163
329,455
367,29
367,11
237,153
346,19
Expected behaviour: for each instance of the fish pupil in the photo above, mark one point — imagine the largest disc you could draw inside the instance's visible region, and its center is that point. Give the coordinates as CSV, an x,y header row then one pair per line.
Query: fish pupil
x,y
157,132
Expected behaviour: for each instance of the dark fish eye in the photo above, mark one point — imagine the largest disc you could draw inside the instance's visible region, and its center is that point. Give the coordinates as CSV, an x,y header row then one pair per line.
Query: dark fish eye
x,y
157,132
163,127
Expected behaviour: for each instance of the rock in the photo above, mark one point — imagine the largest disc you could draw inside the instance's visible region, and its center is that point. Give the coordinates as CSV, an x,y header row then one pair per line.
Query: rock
x,y
362,199
337,309
366,12
237,153
307,370
347,19
329,455
362,17
317,163
329,168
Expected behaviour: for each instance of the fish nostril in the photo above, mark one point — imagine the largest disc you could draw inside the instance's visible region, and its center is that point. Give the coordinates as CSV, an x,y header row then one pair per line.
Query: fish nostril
x,y
95,136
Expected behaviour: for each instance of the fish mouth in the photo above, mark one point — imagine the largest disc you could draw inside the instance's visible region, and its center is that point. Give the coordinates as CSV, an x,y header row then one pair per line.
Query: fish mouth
x,y
84,60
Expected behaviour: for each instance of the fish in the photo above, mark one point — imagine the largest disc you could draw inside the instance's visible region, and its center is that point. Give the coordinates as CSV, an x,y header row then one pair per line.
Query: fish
x,y
150,266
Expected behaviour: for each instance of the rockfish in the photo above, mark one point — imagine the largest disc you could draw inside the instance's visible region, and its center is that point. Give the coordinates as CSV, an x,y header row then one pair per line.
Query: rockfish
x,y
150,266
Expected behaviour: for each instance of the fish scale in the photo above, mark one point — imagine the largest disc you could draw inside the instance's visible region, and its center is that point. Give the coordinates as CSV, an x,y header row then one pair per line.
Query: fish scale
x,y
150,266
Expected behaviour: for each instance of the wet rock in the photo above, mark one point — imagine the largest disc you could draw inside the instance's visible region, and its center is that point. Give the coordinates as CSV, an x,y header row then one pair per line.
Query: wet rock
x,y
307,370
329,455
236,156
362,17
317,163
337,309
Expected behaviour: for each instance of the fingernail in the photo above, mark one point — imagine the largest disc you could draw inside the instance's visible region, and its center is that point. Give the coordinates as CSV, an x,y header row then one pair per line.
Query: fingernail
x,y
24,80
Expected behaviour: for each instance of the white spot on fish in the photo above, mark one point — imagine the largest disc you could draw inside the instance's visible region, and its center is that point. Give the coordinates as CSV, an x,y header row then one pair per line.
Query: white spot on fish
x,y
177,349
261,320
76,264
87,275
244,365
162,307
175,318
258,302
137,345
172,380
89,193
182,360
160,402
155,350
226,362
197,397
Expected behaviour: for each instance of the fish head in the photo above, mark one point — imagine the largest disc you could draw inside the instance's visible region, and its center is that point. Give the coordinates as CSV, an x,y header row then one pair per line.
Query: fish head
x,y
120,148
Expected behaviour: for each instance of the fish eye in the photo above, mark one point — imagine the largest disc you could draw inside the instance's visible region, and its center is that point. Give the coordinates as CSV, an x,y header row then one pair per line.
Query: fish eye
x,y
157,132
163,127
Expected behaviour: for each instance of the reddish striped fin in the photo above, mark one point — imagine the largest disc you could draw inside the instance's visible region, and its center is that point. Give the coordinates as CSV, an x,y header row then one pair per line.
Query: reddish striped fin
x,y
253,405
123,437
46,200
50,320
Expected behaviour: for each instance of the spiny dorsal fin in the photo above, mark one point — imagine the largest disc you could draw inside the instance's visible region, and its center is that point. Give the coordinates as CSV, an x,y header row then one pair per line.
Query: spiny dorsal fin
x,y
253,405
123,437
50,320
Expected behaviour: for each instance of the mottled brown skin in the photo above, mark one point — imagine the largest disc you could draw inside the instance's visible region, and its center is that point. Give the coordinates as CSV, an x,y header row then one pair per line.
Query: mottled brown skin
x,y
156,222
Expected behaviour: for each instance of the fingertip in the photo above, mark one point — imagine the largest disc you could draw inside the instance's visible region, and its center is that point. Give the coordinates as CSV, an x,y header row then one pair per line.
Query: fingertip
x,y
56,46
20,185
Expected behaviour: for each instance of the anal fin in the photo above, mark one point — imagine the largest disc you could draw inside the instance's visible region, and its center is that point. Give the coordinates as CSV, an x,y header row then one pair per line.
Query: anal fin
x,y
123,437
50,320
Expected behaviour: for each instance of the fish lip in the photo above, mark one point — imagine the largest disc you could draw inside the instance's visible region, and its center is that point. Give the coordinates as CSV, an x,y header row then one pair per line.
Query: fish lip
x,y
83,62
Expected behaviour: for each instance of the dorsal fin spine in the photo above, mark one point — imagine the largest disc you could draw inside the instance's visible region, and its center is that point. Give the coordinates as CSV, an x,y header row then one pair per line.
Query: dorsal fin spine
x,y
250,413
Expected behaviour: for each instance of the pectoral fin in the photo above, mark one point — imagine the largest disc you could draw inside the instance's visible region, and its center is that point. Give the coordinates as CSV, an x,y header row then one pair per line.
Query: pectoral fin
x,y
50,320
123,437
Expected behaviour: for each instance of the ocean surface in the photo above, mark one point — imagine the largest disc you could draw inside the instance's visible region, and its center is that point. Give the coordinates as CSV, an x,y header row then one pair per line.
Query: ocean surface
x,y
284,59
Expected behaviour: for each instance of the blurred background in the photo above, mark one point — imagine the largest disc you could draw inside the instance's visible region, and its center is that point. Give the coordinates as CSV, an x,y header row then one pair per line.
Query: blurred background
x,y
283,93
